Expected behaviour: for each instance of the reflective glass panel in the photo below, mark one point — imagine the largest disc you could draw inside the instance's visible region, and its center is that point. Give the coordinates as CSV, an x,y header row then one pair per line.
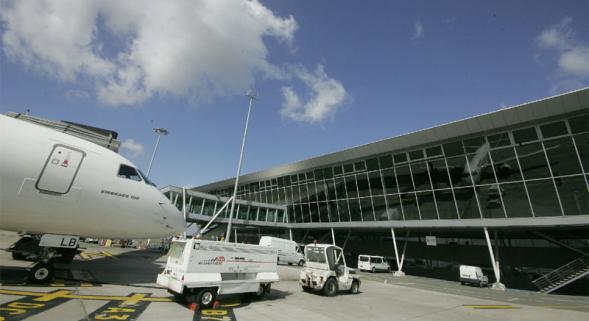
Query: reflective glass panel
x,y
394,211
505,164
480,168
367,211
543,196
446,205
579,124
298,214
363,187
314,212
327,173
351,186
532,160
472,145
573,195
416,154
562,156
344,212
355,213
359,166
306,211
420,176
333,212
515,200
467,203
554,129
525,135
337,170
380,208
390,183
490,200
400,158
323,212
340,188
312,192
427,207
330,189
458,172
321,190
375,183
439,174
372,164
303,193
386,161
404,178
409,203
499,140
296,196
434,151
453,149
582,141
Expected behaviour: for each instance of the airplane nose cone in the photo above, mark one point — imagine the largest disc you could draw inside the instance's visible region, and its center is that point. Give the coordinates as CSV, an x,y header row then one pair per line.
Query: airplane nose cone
x,y
174,219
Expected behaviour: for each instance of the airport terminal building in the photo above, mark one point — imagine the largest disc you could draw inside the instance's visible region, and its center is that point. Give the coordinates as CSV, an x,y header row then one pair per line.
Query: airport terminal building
x,y
521,173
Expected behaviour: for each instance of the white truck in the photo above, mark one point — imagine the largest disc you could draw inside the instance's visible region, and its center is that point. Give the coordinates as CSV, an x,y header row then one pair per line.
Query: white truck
x,y
372,263
325,270
473,275
197,270
288,251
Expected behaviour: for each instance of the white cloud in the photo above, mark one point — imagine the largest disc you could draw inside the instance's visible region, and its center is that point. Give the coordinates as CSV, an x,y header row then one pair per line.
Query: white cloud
x,y
325,96
76,94
572,56
418,32
132,148
184,48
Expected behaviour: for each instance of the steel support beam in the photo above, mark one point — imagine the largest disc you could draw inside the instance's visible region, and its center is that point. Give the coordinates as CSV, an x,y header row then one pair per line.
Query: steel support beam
x,y
290,233
497,285
332,236
399,271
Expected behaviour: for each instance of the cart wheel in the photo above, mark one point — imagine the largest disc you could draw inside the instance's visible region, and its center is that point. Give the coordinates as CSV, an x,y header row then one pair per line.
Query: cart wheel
x,y
301,262
41,273
330,287
206,297
355,287
373,269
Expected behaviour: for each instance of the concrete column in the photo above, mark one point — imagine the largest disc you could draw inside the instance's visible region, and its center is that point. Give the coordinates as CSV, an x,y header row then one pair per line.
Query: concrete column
x,y
497,285
399,271
235,235
404,249
290,233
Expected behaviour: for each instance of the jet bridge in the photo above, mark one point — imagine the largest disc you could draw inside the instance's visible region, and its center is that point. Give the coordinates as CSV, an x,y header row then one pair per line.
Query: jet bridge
x,y
200,207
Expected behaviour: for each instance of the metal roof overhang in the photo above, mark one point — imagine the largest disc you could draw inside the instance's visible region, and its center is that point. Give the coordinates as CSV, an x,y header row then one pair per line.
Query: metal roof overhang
x,y
519,115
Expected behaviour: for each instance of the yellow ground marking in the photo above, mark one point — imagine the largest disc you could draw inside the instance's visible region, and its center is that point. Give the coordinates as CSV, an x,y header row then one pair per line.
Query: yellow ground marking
x,y
106,253
86,284
58,283
230,304
132,300
44,296
87,255
492,307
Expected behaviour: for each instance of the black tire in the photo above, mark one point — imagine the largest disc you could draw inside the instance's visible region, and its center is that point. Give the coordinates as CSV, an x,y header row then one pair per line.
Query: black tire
x,y
373,269
18,256
301,262
206,297
41,273
289,263
259,294
306,289
355,289
330,287
67,255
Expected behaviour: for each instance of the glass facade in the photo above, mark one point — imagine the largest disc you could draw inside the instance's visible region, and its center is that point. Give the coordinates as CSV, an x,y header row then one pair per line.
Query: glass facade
x,y
532,171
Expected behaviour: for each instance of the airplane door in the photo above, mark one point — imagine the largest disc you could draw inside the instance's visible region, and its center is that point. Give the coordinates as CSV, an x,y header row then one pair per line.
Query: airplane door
x,y
60,170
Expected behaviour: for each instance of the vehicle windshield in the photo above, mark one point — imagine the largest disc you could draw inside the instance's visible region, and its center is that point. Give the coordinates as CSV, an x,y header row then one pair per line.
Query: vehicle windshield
x,y
315,254
176,250
147,181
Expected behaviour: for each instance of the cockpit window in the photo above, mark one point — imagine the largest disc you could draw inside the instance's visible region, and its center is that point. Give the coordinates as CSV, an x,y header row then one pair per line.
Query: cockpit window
x,y
126,171
147,181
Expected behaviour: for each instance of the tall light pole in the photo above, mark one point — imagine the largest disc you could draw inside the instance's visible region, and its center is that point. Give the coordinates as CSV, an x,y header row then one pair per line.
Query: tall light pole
x,y
159,132
251,96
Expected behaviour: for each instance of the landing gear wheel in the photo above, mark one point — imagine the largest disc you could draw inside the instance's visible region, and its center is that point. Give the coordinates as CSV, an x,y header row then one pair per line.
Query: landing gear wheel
x,y
206,297
355,287
67,255
41,273
330,288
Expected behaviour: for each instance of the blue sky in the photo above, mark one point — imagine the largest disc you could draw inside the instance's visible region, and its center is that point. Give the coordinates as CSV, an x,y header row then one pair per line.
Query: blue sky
x,y
330,75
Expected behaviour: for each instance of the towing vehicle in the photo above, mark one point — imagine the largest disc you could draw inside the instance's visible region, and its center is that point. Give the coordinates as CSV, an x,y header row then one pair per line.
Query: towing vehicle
x,y
326,271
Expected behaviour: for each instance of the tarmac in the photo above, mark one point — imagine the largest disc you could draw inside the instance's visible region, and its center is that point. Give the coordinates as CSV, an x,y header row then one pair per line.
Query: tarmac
x,y
111,283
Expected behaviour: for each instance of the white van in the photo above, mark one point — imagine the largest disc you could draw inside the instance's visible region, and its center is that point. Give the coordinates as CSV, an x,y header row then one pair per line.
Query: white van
x,y
288,251
198,270
473,275
372,263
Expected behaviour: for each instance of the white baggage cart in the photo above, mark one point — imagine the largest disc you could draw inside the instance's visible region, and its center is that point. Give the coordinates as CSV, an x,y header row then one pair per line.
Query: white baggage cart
x,y
198,270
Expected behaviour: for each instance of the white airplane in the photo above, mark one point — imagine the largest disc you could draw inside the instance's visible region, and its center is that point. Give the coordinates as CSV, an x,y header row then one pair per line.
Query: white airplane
x,y
55,188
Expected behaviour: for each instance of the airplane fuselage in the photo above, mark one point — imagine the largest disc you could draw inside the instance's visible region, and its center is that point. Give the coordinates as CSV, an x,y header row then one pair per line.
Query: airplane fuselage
x,y
55,183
